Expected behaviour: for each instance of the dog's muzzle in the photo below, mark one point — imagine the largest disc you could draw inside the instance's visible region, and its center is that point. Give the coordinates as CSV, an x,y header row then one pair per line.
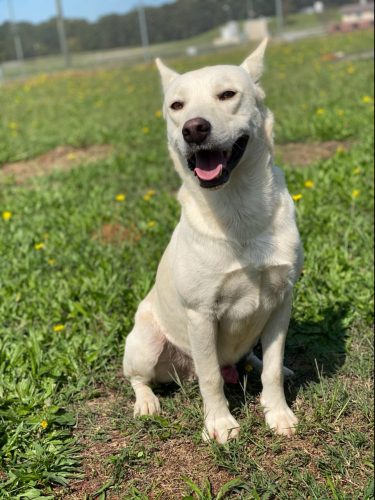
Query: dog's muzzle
x,y
213,167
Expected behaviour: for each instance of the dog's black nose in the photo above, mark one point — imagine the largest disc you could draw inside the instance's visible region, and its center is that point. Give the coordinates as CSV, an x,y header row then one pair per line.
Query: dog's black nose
x,y
195,131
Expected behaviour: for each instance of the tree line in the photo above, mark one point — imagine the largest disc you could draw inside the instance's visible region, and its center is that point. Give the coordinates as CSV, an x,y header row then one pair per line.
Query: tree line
x,y
173,21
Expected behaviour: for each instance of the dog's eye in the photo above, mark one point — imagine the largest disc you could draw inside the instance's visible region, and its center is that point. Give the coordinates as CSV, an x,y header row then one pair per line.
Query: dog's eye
x,y
228,94
176,106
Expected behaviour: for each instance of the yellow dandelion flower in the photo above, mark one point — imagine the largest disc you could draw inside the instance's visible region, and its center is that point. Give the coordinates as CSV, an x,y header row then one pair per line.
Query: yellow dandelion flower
x,y
58,328
72,156
146,130
120,197
356,193
340,150
44,424
297,197
249,367
158,113
39,246
6,215
350,70
367,99
13,125
151,224
150,194
320,112
51,262
309,184
357,171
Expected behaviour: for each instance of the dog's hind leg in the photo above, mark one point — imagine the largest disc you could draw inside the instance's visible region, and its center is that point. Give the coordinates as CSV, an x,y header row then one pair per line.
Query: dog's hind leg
x,y
257,365
143,349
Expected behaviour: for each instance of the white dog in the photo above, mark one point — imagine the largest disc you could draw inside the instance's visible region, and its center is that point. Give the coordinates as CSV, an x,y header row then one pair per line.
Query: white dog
x,y
226,278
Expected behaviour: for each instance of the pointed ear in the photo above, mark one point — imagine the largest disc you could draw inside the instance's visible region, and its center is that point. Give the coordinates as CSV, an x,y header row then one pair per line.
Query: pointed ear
x,y
254,64
167,74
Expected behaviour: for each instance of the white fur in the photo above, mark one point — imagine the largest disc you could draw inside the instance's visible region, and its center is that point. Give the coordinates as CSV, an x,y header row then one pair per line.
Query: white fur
x,y
226,278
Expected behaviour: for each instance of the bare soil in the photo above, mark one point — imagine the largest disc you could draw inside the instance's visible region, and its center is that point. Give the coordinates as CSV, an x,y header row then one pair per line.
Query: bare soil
x,y
105,429
101,435
175,459
113,233
299,154
60,158
99,441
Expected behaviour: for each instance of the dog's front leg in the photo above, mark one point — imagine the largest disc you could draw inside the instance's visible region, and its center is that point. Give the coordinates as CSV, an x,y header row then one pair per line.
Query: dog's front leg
x,y
218,421
277,412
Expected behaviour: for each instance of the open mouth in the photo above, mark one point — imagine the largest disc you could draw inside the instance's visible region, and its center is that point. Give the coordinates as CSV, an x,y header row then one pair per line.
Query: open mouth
x,y
213,167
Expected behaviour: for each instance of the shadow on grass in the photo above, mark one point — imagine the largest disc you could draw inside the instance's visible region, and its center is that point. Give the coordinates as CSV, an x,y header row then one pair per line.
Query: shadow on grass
x,y
314,348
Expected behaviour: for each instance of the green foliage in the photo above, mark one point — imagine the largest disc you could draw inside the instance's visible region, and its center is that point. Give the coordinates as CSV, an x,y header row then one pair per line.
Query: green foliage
x,y
67,298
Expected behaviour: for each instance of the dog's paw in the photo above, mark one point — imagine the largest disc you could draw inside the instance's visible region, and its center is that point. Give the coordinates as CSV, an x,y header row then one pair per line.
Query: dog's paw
x,y
221,429
281,420
147,405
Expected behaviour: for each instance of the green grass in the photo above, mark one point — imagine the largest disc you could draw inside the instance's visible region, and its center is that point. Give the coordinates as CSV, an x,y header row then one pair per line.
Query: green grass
x,y
57,386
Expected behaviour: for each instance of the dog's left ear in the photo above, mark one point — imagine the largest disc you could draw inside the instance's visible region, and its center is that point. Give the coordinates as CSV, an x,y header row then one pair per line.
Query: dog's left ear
x,y
254,64
167,74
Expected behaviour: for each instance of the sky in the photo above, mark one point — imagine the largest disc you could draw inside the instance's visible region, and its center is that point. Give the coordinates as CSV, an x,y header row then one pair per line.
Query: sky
x,y
41,10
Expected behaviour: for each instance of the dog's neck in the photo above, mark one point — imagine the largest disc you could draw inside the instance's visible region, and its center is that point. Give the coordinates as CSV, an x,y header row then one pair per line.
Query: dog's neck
x,y
243,208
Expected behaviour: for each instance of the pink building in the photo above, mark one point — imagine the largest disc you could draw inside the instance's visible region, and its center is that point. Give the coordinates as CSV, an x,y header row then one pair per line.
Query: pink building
x,y
355,17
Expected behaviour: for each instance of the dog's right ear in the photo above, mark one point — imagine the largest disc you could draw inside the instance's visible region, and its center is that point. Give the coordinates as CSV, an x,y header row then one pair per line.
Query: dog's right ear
x,y
167,74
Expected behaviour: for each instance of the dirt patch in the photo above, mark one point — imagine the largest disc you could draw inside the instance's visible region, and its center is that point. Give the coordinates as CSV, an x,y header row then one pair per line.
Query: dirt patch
x,y
112,234
103,432
120,453
300,154
177,458
60,158
99,440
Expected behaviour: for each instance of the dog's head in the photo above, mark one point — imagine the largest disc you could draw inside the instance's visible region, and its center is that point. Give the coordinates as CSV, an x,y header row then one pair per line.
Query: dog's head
x,y
212,114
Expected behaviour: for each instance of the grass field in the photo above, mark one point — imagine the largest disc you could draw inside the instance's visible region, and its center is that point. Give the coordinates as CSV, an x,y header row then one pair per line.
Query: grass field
x,y
79,249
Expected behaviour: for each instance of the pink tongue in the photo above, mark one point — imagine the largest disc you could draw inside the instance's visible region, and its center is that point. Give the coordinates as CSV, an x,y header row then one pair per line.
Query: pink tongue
x,y
210,165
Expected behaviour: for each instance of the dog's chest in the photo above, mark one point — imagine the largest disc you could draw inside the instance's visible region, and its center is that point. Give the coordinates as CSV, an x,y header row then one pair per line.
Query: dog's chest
x,y
248,292
234,290
238,294
235,283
